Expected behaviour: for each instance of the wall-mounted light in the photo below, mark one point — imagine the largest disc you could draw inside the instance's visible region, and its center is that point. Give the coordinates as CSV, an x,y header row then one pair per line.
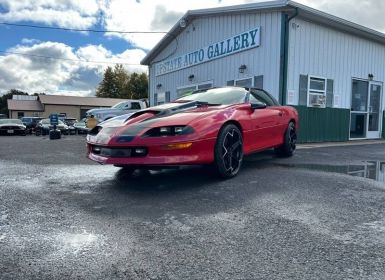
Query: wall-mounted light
x,y
242,68
158,86
183,23
370,77
191,77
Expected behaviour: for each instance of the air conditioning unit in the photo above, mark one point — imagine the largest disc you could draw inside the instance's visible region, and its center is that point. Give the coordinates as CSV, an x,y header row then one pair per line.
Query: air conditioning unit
x,y
317,100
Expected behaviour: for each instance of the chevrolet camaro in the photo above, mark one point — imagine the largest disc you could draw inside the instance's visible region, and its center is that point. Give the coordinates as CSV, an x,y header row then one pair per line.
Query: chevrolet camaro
x,y
216,126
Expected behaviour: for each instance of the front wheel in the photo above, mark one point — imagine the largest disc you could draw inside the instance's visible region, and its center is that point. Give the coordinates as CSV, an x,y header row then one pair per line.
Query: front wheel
x,y
228,151
126,169
290,140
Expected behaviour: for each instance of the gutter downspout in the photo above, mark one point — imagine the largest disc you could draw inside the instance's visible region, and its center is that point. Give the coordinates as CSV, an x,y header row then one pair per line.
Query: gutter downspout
x,y
284,55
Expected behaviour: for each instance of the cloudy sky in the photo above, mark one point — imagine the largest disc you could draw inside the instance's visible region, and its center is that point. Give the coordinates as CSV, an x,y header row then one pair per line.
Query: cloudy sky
x,y
57,61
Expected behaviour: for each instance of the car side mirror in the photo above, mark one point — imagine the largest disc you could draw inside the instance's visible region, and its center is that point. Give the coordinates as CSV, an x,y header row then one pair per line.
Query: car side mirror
x,y
256,106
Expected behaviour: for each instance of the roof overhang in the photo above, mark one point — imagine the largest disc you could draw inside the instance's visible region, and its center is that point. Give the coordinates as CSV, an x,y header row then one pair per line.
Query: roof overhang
x,y
289,7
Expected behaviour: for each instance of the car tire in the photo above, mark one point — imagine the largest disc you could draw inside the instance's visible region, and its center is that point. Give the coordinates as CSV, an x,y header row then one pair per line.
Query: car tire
x,y
126,169
290,140
228,151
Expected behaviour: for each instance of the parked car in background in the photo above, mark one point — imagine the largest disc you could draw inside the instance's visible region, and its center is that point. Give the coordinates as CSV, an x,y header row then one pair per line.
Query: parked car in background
x,y
70,123
44,126
12,127
3,116
81,127
121,108
30,123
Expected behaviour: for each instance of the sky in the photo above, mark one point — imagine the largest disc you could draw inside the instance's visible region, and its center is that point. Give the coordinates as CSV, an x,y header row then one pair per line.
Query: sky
x,y
67,62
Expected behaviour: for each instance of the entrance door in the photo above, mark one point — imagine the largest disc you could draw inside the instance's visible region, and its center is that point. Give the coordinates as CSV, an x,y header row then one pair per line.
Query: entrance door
x,y
365,117
374,109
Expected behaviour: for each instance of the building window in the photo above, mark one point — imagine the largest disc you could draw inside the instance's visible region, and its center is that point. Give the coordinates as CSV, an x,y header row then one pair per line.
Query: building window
x,y
256,82
316,93
183,91
20,115
162,97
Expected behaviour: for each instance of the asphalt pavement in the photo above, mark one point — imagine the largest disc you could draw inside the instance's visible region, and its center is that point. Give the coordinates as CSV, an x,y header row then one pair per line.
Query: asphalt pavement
x,y
317,215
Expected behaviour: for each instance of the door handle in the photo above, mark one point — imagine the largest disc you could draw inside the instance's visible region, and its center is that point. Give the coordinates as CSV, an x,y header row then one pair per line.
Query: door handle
x,y
280,114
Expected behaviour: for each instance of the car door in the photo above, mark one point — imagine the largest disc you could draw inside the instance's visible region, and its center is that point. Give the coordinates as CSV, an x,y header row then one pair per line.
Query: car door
x,y
265,122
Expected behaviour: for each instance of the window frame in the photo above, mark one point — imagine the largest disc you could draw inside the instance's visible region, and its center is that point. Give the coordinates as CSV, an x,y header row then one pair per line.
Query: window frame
x,y
316,92
197,87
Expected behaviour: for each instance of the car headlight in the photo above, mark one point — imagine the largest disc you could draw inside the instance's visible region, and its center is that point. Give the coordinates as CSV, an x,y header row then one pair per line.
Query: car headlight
x,y
169,131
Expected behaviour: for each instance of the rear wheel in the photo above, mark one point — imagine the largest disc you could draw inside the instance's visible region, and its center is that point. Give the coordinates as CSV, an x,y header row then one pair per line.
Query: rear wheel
x,y
290,140
228,151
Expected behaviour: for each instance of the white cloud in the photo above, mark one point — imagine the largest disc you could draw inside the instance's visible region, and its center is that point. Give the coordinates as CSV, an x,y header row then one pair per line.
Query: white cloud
x,y
66,13
368,13
37,73
150,15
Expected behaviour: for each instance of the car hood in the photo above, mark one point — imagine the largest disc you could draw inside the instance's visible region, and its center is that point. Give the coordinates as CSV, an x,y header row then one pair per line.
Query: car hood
x,y
169,114
102,111
12,124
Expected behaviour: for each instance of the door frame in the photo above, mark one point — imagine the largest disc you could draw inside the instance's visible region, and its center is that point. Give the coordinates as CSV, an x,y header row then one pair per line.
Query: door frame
x,y
368,134
374,134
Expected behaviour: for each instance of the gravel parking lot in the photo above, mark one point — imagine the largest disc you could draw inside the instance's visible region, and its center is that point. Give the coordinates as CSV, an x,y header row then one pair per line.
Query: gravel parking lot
x,y
306,217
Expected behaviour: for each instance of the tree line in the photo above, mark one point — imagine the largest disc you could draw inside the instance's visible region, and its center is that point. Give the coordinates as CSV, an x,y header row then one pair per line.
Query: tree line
x,y
117,82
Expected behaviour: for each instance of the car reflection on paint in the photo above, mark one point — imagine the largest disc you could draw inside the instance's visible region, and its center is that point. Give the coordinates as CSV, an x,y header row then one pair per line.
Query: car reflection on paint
x,y
12,127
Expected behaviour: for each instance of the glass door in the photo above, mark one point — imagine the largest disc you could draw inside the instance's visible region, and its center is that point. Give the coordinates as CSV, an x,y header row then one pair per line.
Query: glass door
x,y
365,116
374,109
358,115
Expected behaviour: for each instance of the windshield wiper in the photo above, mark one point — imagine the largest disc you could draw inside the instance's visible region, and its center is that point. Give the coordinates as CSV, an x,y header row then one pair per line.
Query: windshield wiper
x,y
205,103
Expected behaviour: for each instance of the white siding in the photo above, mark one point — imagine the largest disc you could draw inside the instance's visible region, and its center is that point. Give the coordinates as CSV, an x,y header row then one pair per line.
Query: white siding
x,y
264,60
325,52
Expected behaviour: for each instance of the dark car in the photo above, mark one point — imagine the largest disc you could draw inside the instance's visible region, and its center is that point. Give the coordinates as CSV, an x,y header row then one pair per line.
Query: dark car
x,y
81,127
30,123
12,127
44,126
215,126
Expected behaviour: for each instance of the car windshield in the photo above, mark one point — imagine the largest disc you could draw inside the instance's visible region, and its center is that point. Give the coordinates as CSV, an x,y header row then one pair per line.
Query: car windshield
x,y
48,121
120,105
217,96
15,121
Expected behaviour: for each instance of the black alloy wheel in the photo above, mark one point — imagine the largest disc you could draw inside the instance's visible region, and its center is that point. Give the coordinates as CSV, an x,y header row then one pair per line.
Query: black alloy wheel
x,y
228,153
290,141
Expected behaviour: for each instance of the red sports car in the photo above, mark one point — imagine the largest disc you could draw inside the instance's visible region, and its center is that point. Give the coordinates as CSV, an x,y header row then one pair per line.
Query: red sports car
x,y
216,126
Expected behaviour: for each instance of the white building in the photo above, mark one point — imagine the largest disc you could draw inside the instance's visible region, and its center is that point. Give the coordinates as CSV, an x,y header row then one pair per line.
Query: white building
x,y
330,69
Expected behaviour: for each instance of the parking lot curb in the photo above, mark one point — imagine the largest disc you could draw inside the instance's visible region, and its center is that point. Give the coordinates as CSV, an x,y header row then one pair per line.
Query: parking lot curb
x,y
337,144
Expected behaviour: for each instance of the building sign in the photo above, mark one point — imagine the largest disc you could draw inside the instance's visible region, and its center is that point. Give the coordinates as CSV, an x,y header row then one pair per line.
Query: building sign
x,y
241,42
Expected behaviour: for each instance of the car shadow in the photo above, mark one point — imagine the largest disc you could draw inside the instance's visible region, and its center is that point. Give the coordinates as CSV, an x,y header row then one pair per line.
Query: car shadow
x,y
194,190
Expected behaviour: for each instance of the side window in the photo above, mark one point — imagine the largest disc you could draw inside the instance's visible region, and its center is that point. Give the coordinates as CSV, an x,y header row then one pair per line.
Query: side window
x,y
263,97
135,105
254,100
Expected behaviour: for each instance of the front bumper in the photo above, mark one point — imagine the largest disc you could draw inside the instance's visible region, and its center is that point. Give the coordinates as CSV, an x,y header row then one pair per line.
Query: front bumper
x,y
199,152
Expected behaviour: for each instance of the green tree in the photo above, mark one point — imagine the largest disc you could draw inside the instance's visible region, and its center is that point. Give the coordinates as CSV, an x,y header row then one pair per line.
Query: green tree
x,y
108,86
5,97
138,86
118,83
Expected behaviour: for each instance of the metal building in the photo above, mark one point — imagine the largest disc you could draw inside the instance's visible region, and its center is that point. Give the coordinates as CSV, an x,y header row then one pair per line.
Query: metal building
x,y
330,69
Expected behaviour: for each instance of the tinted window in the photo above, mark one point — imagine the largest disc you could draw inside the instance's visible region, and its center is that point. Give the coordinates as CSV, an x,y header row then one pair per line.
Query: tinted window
x,y
135,105
263,97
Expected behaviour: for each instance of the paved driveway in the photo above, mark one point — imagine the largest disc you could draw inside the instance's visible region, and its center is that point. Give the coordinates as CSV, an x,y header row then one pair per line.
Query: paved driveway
x,y
307,217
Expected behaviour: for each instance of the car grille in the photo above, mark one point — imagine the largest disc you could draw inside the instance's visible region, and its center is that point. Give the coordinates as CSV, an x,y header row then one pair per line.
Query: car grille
x,y
13,127
119,152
